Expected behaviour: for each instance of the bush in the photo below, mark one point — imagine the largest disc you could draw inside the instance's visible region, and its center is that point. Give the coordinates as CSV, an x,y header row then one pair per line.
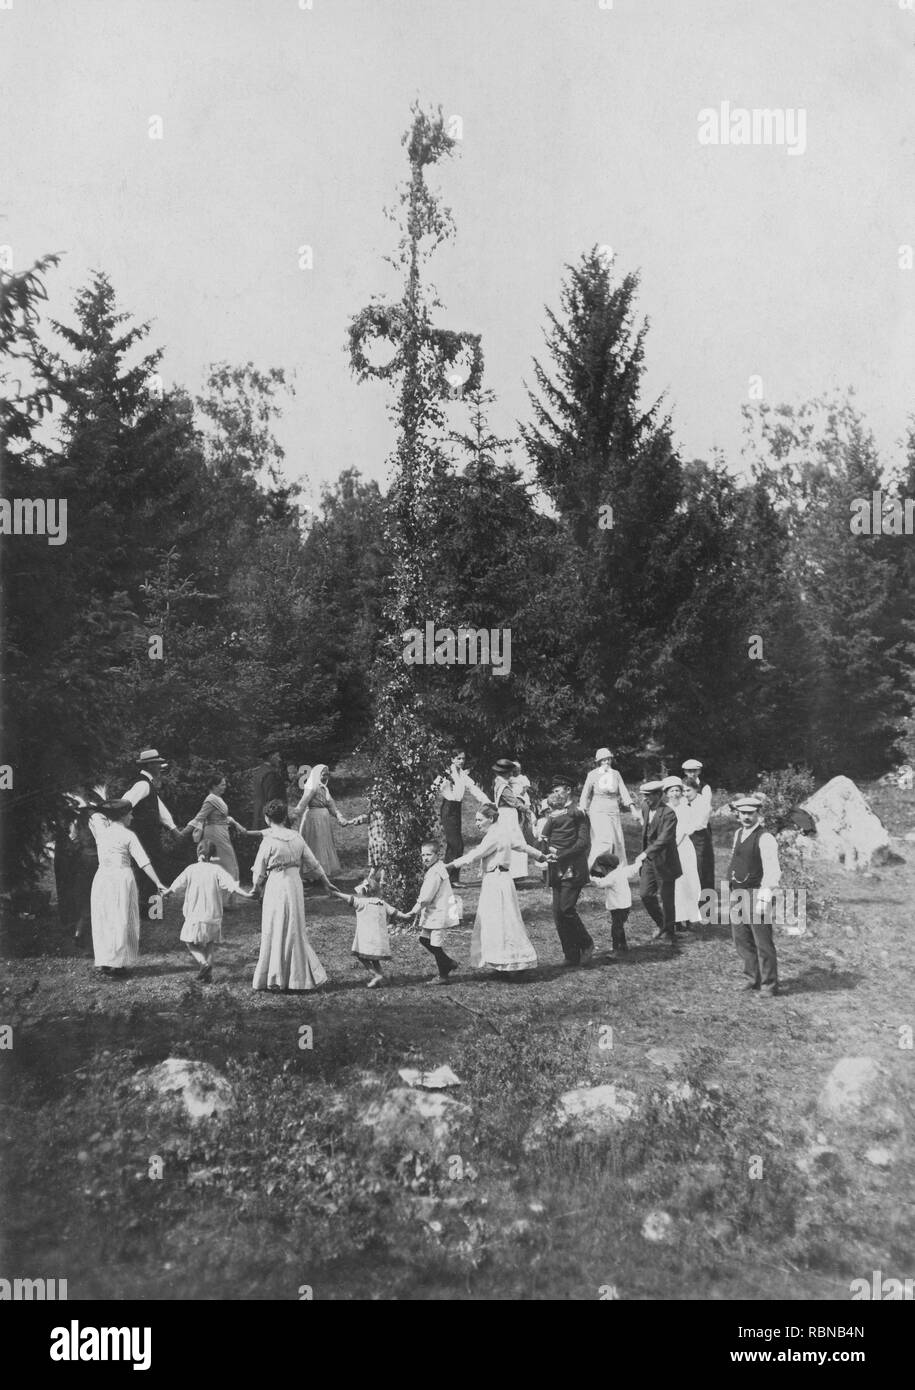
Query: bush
x,y
783,790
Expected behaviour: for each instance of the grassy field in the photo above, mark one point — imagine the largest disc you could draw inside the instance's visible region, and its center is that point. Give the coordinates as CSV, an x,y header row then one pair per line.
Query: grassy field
x,y
289,1189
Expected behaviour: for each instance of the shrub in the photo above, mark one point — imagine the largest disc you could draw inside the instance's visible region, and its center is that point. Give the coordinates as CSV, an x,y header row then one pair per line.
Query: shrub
x,y
783,790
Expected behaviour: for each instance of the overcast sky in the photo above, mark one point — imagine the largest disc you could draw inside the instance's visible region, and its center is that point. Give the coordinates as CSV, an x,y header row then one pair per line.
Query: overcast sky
x,y
282,125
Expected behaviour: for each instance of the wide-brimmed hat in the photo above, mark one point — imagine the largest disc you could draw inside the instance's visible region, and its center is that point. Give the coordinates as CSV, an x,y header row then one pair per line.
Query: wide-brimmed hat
x,y
151,755
601,754
647,787
671,782
691,765
506,767
116,809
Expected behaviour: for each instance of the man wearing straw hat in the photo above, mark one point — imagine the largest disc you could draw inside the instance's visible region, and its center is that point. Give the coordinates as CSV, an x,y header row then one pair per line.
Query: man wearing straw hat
x,y
754,874
149,815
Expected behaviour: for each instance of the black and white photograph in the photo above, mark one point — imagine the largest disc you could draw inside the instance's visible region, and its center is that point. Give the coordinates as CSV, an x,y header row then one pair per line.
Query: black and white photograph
x,y
457,547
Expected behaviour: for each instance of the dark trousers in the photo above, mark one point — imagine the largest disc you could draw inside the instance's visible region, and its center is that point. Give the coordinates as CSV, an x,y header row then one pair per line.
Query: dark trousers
x,y
454,840
756,947
658,902
705,856
618,916
570,928
442,959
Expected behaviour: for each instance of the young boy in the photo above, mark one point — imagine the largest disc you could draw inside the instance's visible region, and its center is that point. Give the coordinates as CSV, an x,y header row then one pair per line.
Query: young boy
x,y
432,907
371,944
607,872
203,906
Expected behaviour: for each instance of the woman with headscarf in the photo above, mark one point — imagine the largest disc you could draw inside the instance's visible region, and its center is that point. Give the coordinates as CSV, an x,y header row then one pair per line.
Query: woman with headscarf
x,y
510,807
686,888
499,940
115,904
286,960
601,797
211,826
316,808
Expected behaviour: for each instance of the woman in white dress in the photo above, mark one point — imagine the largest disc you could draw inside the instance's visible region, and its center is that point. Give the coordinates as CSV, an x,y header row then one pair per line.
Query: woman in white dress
x,y
601,797
114,902
510,807
286,960
499,940
318,809
686,890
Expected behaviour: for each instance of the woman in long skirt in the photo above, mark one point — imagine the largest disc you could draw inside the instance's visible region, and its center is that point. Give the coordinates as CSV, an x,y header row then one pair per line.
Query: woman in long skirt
x,y
499,940
601,797
686,889
211,827
114,903
510,807
286,960
318,811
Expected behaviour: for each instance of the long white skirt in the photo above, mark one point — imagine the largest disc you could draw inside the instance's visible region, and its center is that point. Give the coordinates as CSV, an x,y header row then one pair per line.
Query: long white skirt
x,y
115,911
606,829
286,960
686,892
499,940
509,816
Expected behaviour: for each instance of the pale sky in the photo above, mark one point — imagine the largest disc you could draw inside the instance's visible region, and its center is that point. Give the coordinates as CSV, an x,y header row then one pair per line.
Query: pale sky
x,y
282,126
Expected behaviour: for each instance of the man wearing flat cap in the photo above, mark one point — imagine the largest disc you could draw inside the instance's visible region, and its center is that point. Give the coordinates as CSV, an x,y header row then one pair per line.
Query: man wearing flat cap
x,y
149,815
566,836
659,862
699,795
754,874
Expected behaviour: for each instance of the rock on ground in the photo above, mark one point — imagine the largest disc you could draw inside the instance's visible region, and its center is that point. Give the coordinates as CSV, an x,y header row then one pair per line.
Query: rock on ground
x,y
415,1121
196,1085
848,832
857,1094
588,1112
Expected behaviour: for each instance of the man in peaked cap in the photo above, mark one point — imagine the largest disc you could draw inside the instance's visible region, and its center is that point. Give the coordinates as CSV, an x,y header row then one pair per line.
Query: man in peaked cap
x,y
150,813
566,836
754,874
701,807
659,862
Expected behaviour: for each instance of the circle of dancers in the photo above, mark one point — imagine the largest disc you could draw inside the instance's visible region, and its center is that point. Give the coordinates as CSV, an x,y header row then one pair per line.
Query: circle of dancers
x,y
574,844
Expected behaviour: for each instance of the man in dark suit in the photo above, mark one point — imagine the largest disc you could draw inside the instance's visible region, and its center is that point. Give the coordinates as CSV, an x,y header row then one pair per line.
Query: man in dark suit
x,y
267,784
659,862
566,836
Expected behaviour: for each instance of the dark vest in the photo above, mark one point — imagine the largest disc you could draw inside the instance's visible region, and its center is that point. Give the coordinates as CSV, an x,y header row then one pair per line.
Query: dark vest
x,y
146,822
746,869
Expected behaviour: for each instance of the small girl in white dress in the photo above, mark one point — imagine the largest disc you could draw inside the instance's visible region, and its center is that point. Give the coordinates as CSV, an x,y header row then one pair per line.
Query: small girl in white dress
x,y
203,903
371,944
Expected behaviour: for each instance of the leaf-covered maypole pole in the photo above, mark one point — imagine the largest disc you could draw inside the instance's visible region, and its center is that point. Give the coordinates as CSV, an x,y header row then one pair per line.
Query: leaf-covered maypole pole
x,y
406,752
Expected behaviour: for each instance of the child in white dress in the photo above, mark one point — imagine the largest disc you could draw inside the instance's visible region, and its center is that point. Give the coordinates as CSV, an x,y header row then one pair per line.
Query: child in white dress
x,y
203,903
607,872
371,944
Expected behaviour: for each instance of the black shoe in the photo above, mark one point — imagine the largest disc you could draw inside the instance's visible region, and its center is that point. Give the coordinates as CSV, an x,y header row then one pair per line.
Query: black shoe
x,y
571,963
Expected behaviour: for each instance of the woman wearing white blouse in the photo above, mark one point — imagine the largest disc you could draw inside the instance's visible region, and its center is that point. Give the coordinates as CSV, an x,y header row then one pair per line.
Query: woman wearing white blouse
x,y
601,797
499,939
115,904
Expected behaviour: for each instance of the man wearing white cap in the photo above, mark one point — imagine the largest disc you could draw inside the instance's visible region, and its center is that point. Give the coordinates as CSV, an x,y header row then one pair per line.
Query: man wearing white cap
x,y
601,797
659,862
149,815
754,873
700,805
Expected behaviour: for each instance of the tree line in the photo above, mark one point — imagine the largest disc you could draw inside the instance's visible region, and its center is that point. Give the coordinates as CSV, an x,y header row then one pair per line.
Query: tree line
x,y
653,601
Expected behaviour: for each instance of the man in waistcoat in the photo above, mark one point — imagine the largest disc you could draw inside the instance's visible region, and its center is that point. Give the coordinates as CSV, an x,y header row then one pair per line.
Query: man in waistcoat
x,y
149,815
566,836
659,863
754,873
701,808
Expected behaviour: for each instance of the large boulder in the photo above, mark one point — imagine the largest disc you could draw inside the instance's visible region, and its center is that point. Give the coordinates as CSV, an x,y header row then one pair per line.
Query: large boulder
x,y
586,1113
847,831
858,1096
